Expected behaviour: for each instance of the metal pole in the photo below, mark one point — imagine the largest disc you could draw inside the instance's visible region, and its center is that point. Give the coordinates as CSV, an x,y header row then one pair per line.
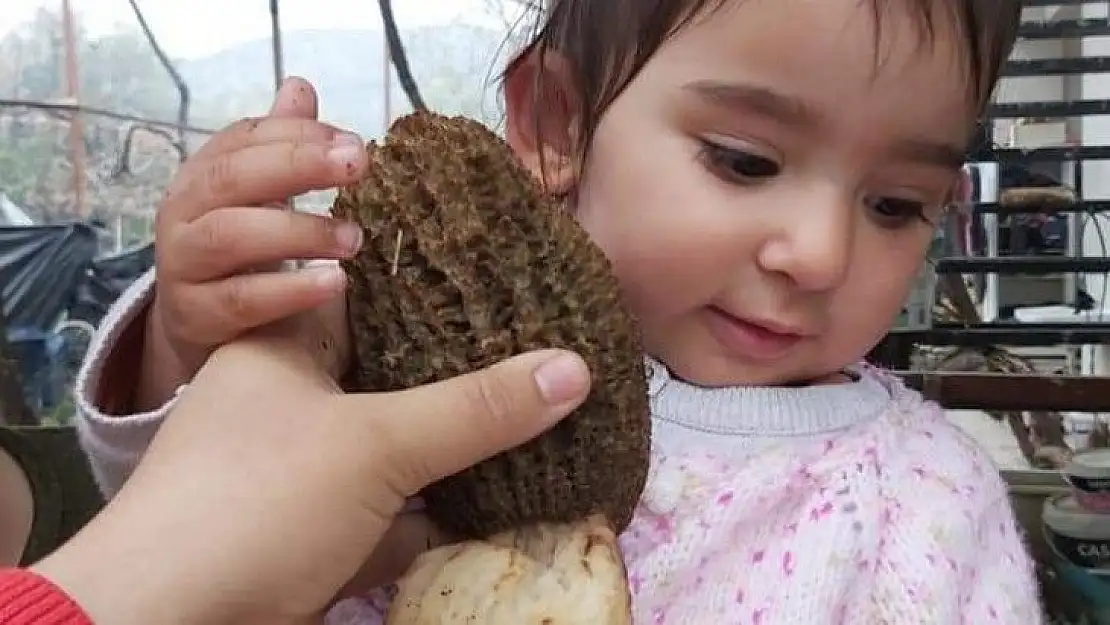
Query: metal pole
x,y
278,54
77,123
387,82
275,42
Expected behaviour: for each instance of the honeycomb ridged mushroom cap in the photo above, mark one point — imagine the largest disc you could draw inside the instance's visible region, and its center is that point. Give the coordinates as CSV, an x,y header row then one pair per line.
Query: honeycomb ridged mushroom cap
x,y
467,262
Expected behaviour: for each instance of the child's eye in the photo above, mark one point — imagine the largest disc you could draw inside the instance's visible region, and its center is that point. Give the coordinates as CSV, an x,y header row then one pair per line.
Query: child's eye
x,y
894,213
736,165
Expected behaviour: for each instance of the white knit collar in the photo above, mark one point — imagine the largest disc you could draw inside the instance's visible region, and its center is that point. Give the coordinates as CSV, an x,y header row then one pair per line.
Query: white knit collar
x,y
765,410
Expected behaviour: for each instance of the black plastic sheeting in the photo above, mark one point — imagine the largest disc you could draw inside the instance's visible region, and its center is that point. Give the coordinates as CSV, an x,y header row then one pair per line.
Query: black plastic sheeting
x,y
49,271
106,280
43,358
41,268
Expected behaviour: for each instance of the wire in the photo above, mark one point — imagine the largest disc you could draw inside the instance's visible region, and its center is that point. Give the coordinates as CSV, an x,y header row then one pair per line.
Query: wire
x,y
59,107
1088,218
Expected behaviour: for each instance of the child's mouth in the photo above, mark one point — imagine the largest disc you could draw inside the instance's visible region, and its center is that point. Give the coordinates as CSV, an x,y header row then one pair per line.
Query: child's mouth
x,y
746,339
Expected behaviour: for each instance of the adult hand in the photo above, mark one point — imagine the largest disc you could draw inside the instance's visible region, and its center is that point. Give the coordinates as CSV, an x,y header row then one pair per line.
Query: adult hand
x,y
267,489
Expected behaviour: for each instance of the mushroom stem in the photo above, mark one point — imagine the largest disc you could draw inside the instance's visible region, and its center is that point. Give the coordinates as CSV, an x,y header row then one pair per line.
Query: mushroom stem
x,y
549,573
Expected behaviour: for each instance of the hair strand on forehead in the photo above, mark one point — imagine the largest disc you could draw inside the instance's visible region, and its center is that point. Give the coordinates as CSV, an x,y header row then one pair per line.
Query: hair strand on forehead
x,y
606,43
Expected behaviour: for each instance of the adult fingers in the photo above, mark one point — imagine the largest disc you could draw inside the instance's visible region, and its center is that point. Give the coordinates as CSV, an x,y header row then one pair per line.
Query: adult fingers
x,y
239,303
261,173
228,241
427,433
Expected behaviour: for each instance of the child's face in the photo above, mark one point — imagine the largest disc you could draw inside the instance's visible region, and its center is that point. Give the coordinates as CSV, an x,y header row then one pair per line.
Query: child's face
x,y
761,184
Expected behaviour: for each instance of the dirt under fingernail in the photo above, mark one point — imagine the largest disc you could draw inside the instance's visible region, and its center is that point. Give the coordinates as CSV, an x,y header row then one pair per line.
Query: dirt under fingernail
x,y
346,156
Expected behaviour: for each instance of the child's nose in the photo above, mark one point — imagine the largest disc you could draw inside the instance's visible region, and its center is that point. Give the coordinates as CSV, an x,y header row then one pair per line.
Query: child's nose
x,y
813,243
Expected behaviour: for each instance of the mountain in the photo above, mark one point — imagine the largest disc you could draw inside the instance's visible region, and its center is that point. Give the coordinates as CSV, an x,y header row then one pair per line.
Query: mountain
x,y
454,65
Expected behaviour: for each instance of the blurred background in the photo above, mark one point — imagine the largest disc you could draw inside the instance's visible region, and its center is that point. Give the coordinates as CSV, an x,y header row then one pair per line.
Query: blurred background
x,y
101,100
129,81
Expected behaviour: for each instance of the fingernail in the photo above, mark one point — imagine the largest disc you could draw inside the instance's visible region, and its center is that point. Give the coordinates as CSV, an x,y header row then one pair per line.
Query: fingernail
x,y
347,138
349,237
346,156
562,379
331,277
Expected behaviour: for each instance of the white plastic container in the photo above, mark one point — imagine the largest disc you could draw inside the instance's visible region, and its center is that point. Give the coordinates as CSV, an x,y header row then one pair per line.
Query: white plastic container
x,y
1088,474
1080,543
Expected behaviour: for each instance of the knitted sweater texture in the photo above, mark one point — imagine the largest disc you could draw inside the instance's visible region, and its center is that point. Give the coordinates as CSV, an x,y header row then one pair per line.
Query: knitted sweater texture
x,y
854,503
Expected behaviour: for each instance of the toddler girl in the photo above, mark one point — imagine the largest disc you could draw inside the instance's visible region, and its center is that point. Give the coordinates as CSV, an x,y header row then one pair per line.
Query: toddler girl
x,y
765,176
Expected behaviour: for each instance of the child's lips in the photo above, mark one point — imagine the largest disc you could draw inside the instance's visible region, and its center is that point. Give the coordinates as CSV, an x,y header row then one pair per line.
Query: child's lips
x,y
751,340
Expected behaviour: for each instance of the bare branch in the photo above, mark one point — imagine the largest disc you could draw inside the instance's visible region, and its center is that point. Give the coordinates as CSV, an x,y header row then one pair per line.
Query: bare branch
x,y
171,69
123,161
69,109
398,56
277,51
511,12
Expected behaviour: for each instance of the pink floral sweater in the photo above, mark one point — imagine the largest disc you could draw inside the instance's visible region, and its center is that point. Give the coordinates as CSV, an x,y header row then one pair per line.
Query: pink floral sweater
x,y
856,503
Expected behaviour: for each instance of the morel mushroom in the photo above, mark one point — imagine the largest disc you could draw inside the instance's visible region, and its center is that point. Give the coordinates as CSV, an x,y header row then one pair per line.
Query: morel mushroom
x,y
467,262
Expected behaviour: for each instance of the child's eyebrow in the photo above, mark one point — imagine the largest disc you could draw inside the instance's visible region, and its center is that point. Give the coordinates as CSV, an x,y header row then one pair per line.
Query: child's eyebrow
x,y
793,111
756,99
930,152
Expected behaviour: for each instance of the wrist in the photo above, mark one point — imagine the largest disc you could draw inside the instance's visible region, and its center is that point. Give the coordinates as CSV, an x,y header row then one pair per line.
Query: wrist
x,y
97,583
162,370
115,579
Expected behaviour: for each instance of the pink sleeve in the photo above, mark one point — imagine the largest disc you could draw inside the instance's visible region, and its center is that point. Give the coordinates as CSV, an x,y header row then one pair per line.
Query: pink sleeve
x,y
950,550
113,438
115,442
961,566
1003,586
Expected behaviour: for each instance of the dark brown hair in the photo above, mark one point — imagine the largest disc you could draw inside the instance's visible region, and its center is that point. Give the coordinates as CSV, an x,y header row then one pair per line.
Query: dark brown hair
x,y
607,42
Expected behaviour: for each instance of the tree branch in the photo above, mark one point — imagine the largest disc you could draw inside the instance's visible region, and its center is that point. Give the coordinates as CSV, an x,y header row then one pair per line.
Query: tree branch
x,y
277,51
511,12
399,58
171,69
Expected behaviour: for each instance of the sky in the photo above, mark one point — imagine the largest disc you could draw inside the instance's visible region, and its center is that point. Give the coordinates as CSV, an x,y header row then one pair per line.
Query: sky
x,y
196,28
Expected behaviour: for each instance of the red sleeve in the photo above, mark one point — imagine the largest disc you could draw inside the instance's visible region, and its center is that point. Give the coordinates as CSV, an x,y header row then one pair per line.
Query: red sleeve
x,y
30,599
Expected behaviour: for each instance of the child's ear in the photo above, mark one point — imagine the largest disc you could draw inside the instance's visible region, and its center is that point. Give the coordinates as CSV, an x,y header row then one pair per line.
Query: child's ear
x,y
542,115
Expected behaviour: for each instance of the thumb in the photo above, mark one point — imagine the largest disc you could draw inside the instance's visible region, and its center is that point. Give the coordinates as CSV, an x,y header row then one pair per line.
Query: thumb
x,y
295,98
440,429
